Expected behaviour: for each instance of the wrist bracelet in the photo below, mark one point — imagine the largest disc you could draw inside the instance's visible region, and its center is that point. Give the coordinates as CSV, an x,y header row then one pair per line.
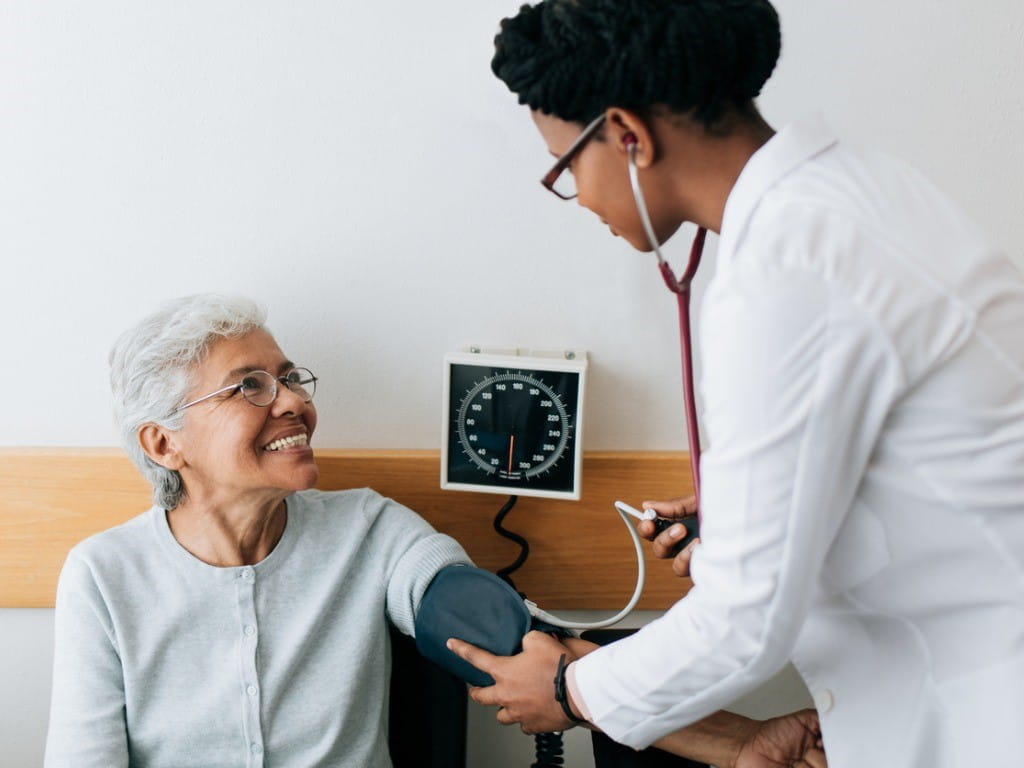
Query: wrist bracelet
x,y
561,693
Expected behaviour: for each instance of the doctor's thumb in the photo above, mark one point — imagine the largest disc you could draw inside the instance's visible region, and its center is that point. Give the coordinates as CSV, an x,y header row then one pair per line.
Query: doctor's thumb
x,y
673,509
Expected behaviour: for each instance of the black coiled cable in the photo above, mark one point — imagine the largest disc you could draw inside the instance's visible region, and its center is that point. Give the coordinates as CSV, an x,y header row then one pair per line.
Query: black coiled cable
x,y
524,547
549,750
548,746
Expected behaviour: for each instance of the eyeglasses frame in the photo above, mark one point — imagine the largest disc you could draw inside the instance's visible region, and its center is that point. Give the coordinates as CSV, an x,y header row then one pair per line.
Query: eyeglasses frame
x,y
283,378
567,157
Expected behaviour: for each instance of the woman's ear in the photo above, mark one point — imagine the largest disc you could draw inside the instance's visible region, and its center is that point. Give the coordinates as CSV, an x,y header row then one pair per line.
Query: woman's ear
x,y
157,443
624,128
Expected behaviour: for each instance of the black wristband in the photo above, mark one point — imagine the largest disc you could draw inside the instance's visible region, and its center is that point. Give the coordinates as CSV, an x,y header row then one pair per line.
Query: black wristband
x,y
561,693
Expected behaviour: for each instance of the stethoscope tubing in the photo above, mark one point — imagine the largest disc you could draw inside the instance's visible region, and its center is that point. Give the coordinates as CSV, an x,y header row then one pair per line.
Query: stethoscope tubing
x,y
681,288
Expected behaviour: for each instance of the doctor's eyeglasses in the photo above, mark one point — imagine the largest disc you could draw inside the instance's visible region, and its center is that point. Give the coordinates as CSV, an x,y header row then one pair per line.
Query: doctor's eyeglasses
x,y
564,184
260,388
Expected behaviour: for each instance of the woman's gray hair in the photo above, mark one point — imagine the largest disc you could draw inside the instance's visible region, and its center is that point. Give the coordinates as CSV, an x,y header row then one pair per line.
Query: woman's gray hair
x,y
150,369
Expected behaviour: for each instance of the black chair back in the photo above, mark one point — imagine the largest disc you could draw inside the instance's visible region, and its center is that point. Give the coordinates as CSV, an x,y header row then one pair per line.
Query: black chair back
x,y
427,713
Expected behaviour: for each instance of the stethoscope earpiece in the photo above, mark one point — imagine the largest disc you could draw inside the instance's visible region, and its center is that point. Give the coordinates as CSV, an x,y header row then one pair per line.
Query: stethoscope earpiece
x,y
629,140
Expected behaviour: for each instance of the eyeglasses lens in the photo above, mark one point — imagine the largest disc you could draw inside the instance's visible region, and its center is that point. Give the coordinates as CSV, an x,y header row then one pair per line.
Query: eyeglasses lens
x,y
302,382
565,184
259,388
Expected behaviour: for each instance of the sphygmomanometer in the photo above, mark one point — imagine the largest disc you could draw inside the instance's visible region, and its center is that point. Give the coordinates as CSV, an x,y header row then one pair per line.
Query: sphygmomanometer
x,y
512,425
481,608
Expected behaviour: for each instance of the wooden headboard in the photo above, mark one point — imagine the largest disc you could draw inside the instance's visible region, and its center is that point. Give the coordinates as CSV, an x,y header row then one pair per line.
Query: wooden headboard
x,y
580,558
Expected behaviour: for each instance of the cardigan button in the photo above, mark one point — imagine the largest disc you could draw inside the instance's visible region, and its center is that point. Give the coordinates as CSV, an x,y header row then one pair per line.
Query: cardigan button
x,y
823,700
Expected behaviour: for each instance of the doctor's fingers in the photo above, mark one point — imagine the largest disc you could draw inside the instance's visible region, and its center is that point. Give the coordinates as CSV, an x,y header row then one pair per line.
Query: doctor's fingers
x,y
813,758
507,717
478,657
487,697
504,717
673,508
666,543
681,562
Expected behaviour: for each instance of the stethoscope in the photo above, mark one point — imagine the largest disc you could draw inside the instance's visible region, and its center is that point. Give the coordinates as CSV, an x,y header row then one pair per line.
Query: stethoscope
x,y
681,288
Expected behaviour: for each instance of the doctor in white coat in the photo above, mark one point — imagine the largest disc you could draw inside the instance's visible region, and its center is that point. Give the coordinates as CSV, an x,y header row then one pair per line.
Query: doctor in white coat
x,y
863,356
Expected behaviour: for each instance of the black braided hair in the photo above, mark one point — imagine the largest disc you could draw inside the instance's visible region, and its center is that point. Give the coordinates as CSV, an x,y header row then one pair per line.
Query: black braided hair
x,y
575,58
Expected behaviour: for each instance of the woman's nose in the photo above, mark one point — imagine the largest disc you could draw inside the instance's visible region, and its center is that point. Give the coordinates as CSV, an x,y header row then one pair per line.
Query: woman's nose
x,y
288,402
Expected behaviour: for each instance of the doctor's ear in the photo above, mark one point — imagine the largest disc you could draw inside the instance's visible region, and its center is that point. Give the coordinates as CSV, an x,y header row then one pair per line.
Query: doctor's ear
x,y
624,129
158,445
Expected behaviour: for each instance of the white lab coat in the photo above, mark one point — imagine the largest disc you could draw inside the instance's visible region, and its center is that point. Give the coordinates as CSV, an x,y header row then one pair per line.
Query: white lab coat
x,y
863,490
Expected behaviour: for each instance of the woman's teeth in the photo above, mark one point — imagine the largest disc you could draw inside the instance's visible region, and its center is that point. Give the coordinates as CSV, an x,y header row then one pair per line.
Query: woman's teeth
x,y
287,442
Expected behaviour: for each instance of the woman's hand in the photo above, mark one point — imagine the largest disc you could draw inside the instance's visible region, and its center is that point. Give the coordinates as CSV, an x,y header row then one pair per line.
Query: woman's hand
x,y
524,684
792,741
664,544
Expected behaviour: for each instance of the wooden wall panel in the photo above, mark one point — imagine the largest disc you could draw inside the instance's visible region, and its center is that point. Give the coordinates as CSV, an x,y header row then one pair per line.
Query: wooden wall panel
x,y
580,554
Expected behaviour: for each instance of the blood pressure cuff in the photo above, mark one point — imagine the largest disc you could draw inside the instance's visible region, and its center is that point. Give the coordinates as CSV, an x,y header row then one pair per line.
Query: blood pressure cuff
x,y
474,605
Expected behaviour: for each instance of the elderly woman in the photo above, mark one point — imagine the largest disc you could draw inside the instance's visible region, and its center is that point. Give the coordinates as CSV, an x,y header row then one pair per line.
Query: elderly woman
x,y
241,620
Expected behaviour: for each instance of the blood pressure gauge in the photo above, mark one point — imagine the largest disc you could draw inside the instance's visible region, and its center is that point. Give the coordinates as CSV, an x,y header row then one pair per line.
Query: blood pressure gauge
x,y
512,422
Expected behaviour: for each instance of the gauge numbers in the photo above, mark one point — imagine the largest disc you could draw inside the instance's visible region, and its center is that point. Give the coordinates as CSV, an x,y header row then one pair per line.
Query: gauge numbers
x,y
513,429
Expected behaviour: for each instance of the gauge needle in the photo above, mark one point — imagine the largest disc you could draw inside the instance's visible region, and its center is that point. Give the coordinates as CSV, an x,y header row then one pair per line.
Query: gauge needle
x,y
511,446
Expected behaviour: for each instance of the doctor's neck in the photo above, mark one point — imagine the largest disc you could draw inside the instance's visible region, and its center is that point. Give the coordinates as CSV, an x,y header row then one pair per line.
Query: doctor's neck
x,y
703,163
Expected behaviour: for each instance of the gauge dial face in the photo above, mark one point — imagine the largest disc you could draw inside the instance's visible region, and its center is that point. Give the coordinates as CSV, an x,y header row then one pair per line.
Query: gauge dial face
x,y
512,428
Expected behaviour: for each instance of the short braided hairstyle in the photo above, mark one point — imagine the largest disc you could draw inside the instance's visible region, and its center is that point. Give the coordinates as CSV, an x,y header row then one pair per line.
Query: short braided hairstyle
x,y
575,58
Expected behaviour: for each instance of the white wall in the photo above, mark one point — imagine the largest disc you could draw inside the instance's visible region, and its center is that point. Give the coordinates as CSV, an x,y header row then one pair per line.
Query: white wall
x,y
356,167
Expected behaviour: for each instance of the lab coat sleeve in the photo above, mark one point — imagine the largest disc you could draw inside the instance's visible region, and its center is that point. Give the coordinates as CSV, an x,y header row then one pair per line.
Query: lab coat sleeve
x,y
798,381
87,707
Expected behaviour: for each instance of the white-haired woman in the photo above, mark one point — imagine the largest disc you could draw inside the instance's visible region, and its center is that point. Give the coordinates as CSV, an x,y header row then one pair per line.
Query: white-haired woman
x,y
242,620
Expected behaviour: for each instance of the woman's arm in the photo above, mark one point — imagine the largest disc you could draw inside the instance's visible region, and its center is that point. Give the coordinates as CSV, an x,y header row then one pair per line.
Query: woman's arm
x,y
87,718
409,553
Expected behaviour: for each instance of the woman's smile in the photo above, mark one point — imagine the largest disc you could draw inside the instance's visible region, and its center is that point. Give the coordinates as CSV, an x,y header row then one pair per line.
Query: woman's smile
x,y
292,442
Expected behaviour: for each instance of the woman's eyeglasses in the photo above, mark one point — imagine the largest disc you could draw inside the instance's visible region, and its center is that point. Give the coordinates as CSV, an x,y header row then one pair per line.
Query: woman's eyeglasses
x,y
260,388
564,184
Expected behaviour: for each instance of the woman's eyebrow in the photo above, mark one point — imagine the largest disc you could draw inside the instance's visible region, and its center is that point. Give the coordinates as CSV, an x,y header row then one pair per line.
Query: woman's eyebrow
x,y
287,365
241,371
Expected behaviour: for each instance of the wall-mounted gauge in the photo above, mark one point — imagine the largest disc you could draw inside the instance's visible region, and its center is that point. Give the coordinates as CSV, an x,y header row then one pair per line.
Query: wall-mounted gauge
x,y
512,422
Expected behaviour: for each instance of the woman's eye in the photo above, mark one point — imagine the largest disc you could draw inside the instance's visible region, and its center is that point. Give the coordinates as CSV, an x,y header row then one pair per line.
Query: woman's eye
x,y
251,384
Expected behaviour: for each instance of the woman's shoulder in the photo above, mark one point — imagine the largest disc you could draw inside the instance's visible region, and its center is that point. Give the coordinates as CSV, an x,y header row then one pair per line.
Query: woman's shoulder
x,y
113,549
364,501
372,509
131,533
341,499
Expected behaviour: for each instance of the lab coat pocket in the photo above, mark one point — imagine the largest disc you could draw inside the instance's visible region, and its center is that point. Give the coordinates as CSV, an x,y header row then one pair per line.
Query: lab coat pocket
x,y
858,552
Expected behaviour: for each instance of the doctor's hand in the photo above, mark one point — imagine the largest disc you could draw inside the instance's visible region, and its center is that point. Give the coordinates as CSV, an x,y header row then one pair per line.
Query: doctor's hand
x,y
665,544
792,740
524,688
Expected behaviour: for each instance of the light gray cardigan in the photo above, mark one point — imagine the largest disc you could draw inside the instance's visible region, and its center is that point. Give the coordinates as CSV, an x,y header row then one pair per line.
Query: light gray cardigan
x,y
164,661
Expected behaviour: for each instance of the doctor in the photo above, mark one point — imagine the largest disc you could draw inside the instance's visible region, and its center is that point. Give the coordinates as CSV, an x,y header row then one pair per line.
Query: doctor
x,y
863,355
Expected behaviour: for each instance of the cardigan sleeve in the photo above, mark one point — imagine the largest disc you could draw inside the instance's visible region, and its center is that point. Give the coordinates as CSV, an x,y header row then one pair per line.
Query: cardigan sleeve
x,y
410,553
87,710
